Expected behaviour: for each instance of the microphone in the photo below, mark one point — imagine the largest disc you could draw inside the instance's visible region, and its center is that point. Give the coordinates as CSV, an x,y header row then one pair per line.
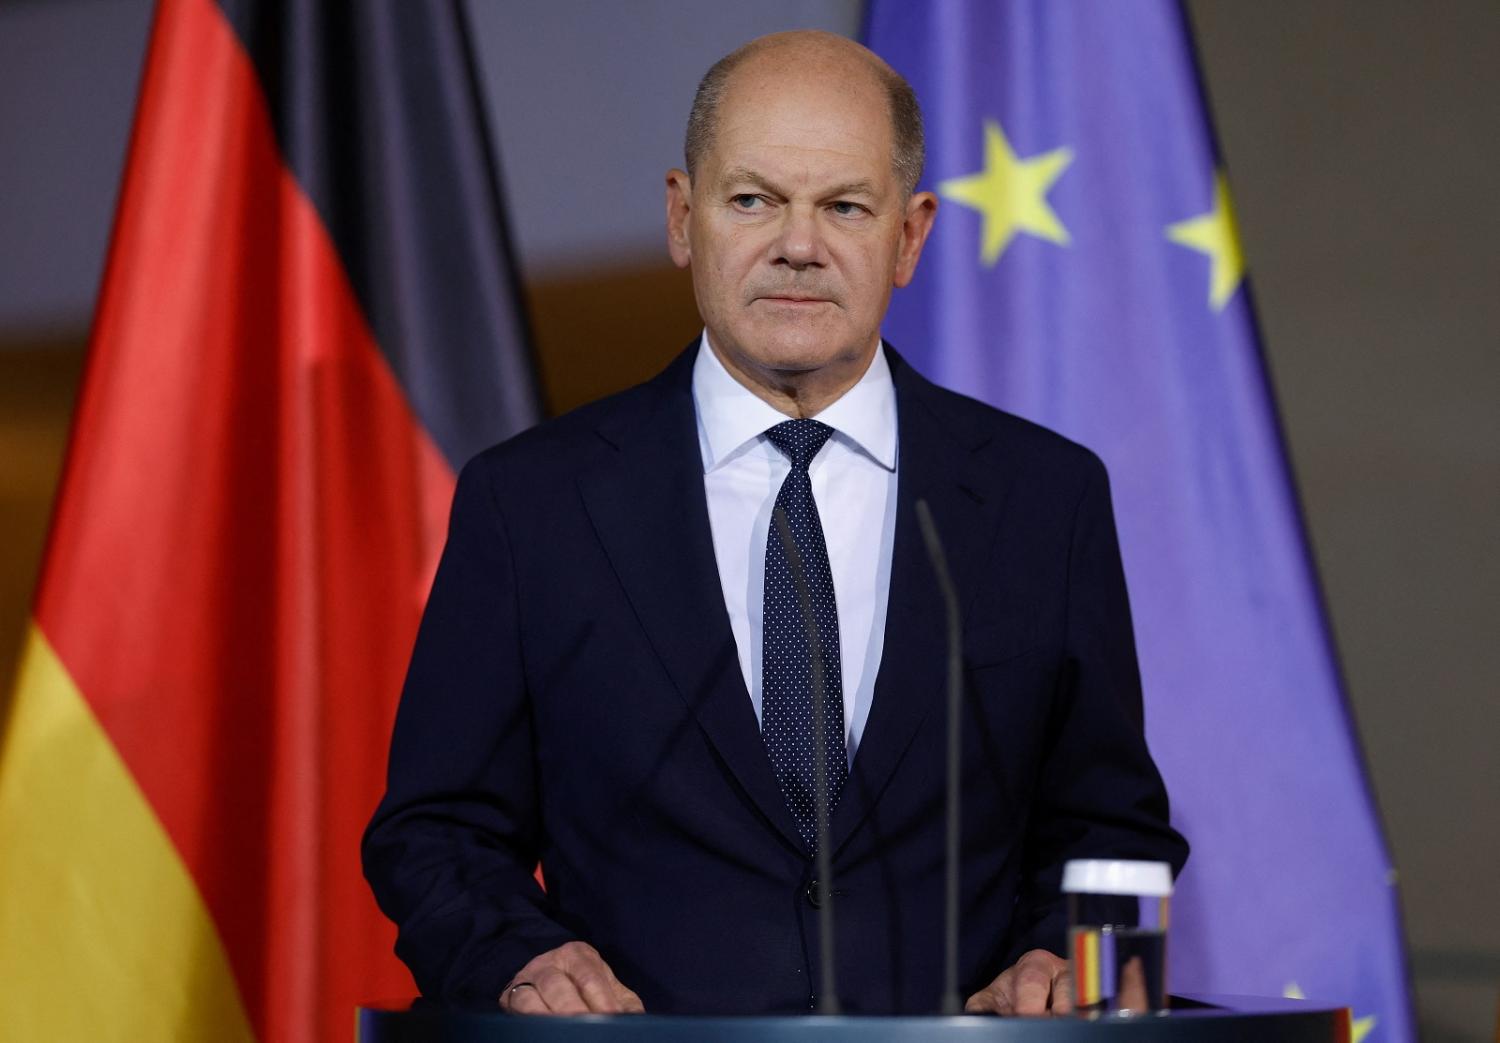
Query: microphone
x,y
952,1003
828,1001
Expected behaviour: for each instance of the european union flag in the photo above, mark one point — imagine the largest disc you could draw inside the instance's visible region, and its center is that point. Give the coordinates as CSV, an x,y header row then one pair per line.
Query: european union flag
x,y
1085,272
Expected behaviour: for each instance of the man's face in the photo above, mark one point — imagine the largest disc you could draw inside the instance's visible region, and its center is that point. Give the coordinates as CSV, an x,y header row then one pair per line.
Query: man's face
x,y
795,225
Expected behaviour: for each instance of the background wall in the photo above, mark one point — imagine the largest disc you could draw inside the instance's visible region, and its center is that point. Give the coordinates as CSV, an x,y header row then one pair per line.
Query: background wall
x,y
1361,141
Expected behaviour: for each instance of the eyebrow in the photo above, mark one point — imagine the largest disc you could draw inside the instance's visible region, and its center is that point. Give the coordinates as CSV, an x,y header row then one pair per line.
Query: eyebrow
x,y
744,175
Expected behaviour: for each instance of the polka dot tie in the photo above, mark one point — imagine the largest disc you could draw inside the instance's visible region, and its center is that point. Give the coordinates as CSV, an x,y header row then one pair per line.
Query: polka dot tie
x,y
786,666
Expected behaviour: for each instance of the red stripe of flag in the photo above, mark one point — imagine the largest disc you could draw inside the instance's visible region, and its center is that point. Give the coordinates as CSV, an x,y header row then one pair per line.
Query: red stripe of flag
x,y
247,525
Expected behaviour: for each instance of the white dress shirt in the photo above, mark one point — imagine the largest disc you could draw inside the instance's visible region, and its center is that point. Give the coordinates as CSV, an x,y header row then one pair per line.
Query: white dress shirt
x,y
854,483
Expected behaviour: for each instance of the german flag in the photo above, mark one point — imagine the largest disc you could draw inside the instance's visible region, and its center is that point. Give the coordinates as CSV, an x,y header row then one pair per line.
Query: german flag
x,y
308,321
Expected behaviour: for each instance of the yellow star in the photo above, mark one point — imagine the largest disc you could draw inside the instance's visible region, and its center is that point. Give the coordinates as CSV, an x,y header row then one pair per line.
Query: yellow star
x,y
1011,194
1217,235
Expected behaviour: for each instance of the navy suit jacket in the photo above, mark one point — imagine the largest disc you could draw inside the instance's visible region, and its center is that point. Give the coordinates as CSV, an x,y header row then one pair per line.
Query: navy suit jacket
x,y
575,699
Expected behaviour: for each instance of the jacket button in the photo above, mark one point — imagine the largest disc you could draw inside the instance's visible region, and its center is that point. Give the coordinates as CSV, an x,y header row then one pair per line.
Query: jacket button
x,y
813,899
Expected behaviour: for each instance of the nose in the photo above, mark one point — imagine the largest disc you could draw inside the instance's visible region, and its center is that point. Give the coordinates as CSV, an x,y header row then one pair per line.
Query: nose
x,y
799,243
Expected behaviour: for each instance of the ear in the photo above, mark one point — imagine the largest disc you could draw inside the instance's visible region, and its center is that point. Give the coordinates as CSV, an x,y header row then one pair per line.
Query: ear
x,y
679,206
921,208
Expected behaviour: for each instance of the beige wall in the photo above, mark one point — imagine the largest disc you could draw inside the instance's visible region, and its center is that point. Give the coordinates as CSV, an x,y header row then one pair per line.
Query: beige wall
x,y
1362,144
37,382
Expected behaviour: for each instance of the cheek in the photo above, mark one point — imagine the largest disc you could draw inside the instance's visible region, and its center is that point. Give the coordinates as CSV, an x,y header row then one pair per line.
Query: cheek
x,y
727,268
869,281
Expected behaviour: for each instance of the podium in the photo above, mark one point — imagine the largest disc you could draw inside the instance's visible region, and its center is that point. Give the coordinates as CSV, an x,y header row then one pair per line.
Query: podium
x,y
1230,1019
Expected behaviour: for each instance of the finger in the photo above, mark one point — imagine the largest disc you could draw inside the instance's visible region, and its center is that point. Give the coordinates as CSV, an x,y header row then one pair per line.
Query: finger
x,y
977,1004
998,997
524,1000
1062,992
1033,989
1132,991
625,1000
522,996
598,989
560,993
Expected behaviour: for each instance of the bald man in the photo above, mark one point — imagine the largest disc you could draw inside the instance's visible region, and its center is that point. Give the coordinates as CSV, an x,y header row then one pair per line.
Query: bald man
x,y
613,677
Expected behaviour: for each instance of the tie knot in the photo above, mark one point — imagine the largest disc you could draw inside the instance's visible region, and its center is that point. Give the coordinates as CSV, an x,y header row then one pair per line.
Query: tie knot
x,y
800,440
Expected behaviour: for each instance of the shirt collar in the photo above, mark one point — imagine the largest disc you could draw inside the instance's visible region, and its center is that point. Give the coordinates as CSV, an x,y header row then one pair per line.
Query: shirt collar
x,y
731,416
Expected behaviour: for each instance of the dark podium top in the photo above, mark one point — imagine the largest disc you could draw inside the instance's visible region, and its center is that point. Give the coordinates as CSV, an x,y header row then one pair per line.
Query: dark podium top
x,y
1220,1019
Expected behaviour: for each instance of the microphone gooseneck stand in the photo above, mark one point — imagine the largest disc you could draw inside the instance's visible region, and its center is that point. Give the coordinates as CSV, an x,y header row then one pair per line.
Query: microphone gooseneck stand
x,y
828,1000
952,1003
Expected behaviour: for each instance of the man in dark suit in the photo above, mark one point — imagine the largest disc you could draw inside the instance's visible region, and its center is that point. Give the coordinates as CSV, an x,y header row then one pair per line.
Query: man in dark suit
x,y
613,677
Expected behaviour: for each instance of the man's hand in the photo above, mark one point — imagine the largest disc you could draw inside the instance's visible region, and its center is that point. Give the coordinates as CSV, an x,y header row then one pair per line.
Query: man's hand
x,y
1039,984
571,979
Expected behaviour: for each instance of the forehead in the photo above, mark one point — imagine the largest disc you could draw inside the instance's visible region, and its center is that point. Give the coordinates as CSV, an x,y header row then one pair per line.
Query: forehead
x,y
825,121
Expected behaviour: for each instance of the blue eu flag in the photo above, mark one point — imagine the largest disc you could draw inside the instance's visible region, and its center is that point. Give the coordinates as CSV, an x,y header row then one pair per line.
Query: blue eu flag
x,y
1085,272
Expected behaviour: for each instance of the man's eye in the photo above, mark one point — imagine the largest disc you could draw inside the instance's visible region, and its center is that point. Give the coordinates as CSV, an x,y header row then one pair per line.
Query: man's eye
x,y
746,201
846,209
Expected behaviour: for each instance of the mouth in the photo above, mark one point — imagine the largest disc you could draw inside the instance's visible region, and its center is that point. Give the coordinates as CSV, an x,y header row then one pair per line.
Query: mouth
x,y
793,300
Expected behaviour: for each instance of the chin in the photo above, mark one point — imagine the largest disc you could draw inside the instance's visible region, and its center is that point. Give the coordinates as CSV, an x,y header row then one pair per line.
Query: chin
x,y
795,358
802,349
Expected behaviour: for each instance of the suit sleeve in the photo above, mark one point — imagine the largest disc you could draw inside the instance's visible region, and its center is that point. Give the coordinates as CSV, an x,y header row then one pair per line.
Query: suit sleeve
x,y
1099,794
453,846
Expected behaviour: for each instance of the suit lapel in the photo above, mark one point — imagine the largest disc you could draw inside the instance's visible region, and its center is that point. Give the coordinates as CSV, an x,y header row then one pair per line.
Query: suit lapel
x,y
936,464
650,511
648,506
